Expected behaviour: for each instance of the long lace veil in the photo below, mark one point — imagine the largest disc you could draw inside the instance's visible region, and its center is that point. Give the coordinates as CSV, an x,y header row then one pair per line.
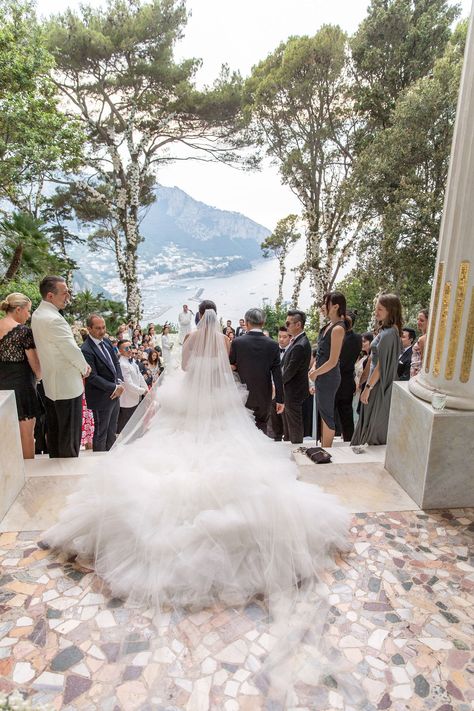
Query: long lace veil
x,y
196,397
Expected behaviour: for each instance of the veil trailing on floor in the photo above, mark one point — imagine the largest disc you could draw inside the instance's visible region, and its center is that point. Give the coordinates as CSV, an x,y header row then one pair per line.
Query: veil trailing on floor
x,y
195,507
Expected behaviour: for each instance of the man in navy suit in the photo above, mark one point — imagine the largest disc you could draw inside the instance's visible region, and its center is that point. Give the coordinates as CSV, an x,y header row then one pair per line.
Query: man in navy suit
x,y
104,385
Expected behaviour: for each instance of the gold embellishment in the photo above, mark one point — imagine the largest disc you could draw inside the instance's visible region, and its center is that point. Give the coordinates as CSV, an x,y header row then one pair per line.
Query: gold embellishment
x,y
466,361
461,290
434,311
443,322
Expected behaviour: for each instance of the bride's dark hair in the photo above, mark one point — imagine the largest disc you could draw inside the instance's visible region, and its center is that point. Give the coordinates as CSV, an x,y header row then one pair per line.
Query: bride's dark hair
x,y
206,304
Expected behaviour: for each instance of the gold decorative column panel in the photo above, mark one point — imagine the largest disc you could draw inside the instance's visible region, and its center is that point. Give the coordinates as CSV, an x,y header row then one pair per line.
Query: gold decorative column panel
x,y
443,323
466,362
455,333
448,366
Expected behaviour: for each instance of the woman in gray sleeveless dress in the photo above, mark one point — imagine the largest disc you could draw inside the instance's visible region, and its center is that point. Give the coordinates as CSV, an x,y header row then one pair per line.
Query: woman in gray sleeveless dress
x,y
326,372
386,347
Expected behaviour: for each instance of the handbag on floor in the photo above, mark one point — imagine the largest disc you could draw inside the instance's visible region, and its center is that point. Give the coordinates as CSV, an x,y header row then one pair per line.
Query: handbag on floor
x,y
318,455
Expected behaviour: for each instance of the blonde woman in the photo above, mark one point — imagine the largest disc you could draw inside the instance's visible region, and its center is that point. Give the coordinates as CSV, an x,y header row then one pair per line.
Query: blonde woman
x,y
19,365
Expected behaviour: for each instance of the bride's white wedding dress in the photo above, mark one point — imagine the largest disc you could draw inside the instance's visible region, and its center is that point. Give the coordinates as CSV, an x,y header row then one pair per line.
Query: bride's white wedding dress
x,y
194,504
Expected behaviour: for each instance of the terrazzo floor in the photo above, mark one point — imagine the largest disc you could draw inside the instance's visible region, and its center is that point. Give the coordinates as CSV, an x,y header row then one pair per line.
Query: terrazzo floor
x,y
401,614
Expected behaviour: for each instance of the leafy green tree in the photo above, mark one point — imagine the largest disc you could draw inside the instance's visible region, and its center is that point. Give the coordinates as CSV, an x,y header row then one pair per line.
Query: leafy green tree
x,y
139,109
36,139
299,111
394,46
400,179
85,303
278,244
25,250
23,286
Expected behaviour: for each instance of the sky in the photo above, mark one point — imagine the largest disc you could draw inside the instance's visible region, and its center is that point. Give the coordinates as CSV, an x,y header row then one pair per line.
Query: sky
x,y
240,34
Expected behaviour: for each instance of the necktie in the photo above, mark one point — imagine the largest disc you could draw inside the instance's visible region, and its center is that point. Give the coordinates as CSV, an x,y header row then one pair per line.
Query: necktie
x,y
282,350
108,357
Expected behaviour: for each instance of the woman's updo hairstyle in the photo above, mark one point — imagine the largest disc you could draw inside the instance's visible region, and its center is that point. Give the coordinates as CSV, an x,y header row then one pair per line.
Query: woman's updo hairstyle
x,y
337,298
13,301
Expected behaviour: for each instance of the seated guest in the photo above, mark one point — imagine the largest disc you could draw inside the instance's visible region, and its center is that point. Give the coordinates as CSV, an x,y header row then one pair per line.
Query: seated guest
x,y
404,362
104,386
19,366
134,383
63,368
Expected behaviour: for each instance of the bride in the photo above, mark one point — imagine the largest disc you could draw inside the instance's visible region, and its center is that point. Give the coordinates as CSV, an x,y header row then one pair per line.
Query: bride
x,y
194,504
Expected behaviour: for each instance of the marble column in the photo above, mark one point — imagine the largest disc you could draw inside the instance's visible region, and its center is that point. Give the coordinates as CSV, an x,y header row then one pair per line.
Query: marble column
x,y
448,359
431,452
12,470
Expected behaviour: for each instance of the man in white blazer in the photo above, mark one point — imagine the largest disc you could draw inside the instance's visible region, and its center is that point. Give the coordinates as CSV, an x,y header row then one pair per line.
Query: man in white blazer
x,y
63,367
134,383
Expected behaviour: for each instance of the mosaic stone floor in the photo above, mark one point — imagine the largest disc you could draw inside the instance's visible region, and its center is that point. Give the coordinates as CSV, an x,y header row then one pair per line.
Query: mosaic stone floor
x,y
401,614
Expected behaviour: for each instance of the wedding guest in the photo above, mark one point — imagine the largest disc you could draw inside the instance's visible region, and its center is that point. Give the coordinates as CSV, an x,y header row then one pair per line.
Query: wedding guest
x,y
231,335
419,346
240,328
152,337
136,337
227,326
19,366
104,386
185,321
63,368
326,373
384,354
166,345
134,385
404,362
154,365
256,358
276,418
122,332
87,436
361,368
351,347
295,376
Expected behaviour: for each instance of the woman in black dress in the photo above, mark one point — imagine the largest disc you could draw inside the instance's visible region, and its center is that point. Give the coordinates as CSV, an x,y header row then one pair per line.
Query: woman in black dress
x,y
19,365
326,372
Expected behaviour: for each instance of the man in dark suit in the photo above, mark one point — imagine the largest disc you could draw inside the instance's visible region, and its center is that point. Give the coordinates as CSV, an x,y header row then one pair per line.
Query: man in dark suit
x,y
295,367
350,351
276,418
240,328
104,385
404,362
256,358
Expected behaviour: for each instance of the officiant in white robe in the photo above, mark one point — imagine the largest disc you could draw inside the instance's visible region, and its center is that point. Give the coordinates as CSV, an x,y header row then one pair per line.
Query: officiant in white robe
x,y
185,323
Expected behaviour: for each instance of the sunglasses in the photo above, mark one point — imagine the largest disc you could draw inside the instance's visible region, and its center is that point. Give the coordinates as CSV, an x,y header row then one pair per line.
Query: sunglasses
x,y
127,348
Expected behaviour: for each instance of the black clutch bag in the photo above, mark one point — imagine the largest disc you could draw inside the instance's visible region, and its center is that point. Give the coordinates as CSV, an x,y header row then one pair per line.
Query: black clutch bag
x,y
318,455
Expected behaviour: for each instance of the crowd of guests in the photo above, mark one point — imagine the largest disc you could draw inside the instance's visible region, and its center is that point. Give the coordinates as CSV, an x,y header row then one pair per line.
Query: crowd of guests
x,y
340,386
69,395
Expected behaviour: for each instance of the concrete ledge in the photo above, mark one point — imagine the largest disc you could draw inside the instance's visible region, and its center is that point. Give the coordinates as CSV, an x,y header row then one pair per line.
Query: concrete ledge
x,y
12,470
431,453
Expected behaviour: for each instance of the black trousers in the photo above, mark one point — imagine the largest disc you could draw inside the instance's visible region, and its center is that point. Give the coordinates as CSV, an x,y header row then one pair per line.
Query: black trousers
x,y
293,422
261,418
345,415
276,422
64,423
105,426
124,416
